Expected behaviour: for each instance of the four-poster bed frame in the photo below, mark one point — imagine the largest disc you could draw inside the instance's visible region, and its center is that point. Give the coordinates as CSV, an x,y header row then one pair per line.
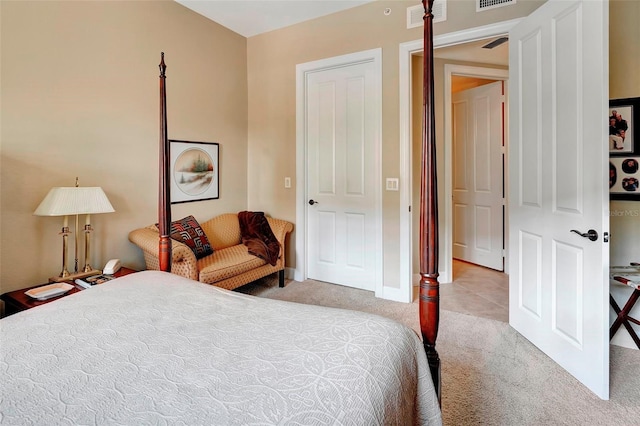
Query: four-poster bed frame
x,y
170,349
429,298
429,287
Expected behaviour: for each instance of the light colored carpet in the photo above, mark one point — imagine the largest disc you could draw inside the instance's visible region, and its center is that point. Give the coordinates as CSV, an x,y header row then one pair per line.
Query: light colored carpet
x,y
490,374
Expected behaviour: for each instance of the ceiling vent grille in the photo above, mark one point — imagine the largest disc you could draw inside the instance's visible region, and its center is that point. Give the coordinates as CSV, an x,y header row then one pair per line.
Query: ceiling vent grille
x,y
495,43
482,5
416,13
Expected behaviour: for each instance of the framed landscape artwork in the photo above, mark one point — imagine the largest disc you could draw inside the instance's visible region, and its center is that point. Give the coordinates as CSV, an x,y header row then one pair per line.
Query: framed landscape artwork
x,y
624,149
194,168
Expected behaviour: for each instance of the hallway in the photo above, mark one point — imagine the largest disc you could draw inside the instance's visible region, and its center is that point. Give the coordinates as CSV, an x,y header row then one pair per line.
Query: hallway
x,y
476,291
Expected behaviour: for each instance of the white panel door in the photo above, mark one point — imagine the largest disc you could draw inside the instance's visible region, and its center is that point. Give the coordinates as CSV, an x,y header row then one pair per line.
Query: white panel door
x,y
558,286
342,127
478,189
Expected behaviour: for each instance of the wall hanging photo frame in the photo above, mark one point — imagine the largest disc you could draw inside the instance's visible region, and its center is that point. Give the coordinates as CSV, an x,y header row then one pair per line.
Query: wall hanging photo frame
x,y
624,149
624,117
624,178
194,169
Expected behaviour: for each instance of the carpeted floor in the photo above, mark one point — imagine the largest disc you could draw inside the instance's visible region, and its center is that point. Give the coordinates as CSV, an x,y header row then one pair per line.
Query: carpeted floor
x,y
491,375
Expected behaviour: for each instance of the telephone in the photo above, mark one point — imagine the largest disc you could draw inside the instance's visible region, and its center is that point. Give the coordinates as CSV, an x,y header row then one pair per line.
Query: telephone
x,y
112,267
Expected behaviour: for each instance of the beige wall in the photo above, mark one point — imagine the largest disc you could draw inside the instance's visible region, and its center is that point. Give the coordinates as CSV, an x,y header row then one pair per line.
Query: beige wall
x,y
272,58
459,83
79,98
79,95
624,82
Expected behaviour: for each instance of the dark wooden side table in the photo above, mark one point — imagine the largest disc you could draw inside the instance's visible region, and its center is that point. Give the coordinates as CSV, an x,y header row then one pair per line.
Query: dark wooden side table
x,y
16,301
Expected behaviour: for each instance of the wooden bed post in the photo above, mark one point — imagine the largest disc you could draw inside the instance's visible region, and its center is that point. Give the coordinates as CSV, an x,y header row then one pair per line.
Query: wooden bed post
x,y
164,204
429,287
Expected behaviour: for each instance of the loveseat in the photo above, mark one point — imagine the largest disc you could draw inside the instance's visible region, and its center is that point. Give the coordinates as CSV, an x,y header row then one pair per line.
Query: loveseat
x,y
230,265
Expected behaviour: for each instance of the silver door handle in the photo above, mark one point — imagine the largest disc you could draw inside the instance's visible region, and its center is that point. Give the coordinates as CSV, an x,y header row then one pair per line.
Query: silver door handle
x,y
591,234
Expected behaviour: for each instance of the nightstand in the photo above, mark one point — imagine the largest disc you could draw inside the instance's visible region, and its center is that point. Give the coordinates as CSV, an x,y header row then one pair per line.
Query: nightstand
x,y
16,301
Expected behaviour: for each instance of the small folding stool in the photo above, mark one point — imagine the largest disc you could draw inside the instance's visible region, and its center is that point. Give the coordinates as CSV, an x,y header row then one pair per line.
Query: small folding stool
x,y
630,276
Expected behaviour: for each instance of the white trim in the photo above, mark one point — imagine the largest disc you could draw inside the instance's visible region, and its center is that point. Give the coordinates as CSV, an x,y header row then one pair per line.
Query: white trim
x,y
474,34
406,178
302,70
289,273
445,249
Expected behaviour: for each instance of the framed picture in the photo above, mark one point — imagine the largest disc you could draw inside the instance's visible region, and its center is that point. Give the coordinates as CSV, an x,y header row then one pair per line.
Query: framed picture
x,y
194,171
624,178
624,116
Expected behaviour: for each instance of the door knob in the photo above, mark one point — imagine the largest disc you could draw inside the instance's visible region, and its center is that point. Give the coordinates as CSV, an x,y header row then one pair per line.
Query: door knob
x,y
591,234
311,202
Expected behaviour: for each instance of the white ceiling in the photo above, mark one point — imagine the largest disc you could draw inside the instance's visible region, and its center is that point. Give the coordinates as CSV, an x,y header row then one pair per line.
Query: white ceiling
x,y
474,52
252,17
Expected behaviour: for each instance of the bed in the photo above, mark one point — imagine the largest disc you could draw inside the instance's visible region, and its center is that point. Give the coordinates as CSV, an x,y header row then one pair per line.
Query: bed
x,y
156,348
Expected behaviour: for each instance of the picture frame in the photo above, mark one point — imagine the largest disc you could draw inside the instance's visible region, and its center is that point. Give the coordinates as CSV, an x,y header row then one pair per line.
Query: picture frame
x,y
194,169
624,178
624,116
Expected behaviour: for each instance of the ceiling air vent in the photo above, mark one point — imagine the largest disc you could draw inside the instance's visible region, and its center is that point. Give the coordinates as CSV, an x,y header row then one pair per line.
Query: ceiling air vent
x,y
415,13
495,43
482,5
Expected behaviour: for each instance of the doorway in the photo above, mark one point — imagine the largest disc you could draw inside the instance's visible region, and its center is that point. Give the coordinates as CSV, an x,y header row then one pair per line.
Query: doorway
x,y
477,163
456,78
407,228
550,46
565,314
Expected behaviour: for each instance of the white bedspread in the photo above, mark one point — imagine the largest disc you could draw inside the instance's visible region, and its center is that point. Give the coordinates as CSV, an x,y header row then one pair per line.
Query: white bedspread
x,y
156,349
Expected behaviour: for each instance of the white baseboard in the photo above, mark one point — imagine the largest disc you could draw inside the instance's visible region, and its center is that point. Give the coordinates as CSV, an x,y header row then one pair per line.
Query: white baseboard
x,y
415,280
289,273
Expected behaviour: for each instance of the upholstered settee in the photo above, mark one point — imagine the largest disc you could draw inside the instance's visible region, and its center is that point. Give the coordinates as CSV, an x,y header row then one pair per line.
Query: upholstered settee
x,y
227,263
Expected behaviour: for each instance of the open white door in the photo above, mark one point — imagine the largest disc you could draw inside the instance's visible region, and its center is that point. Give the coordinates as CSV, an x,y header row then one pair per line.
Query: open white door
x,y
558,284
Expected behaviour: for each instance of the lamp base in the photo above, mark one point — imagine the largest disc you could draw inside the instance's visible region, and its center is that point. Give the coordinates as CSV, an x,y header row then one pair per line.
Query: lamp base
x,y
72,277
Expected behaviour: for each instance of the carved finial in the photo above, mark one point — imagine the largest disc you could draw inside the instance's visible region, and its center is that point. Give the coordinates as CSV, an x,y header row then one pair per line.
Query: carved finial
x,y
428,8
163,67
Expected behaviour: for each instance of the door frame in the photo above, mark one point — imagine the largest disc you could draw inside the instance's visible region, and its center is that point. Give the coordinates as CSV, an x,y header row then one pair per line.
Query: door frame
x,y
496,74
445,226
302,71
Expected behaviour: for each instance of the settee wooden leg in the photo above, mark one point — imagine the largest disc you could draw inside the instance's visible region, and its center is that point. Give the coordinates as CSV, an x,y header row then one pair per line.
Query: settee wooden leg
x,y
281,278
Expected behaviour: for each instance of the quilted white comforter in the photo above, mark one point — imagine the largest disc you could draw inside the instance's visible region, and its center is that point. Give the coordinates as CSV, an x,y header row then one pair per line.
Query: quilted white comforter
x,y
155,348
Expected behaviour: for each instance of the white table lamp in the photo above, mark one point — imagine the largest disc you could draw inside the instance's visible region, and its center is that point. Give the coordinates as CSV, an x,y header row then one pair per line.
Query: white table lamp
x,y
66,201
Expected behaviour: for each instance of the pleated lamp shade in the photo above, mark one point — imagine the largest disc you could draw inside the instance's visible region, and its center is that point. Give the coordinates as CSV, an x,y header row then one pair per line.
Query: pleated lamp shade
x,y
69,200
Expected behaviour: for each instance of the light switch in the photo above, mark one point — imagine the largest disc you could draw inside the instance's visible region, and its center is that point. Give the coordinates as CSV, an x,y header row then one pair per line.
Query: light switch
x,y
392,184
287,182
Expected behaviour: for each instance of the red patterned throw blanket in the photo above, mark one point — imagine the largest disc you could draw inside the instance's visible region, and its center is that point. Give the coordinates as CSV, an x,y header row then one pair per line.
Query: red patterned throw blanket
x,y
258,236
